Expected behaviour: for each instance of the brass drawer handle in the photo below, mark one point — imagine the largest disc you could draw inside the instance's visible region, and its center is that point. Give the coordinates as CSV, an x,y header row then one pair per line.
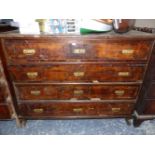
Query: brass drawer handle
x,y
32,75
125,74
127,51
78,74
35,92
95,99
29,51
79,51
115,109
77,110
38,110
78,92
119,92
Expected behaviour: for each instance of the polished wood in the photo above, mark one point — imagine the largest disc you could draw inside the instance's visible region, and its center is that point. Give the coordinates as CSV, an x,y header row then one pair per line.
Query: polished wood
x,y
64,109
81,92
75,76
77,72
68,49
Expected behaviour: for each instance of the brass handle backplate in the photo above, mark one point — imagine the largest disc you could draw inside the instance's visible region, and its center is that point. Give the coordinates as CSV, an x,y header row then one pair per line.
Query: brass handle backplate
x,y
78,74
79,51
35,92
116,109
29,51
78,92
77,110
123,74
32,75
127,51
38,110
119,92
95,99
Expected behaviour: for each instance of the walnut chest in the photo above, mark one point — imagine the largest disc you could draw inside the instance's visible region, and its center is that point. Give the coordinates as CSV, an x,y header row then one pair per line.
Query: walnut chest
x,y
74,76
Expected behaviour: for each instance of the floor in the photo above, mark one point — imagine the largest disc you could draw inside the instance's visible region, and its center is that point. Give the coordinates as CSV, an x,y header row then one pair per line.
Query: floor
x,y
77,127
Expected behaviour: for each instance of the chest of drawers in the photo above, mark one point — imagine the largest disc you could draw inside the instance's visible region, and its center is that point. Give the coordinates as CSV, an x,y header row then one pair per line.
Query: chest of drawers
x,y
74,76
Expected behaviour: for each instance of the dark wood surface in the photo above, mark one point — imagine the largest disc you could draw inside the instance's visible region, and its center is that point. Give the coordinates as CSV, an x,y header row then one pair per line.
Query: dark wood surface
x,y
78,72
81,92
73,50
75,109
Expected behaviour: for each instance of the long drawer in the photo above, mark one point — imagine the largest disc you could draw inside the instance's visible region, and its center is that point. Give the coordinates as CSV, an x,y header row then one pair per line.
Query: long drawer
x,y
75,91
75,109
77,72
4,112
68,49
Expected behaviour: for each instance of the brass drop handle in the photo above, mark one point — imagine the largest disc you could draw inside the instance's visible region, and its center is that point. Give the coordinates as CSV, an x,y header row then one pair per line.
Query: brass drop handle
x,y
77,110
35,92
124,74
119,92
78,74
127,51
32,75
38,110
29,51
79,51
78,92
115,109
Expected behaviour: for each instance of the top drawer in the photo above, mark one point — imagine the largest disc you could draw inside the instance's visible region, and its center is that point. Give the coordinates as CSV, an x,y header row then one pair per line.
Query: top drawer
x,y
71,49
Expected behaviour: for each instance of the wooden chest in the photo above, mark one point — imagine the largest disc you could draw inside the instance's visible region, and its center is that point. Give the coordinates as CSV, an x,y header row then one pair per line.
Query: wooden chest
x,y
74,76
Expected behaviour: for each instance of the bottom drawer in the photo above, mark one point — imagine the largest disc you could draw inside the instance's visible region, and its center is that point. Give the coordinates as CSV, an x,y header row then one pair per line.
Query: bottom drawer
x,y
76,109
4,112
149,107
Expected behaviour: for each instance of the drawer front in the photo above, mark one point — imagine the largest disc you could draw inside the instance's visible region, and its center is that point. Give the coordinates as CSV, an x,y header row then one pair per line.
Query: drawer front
x,y
77,72
80,92
149,107
4,112
69,49
151,91
75,109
